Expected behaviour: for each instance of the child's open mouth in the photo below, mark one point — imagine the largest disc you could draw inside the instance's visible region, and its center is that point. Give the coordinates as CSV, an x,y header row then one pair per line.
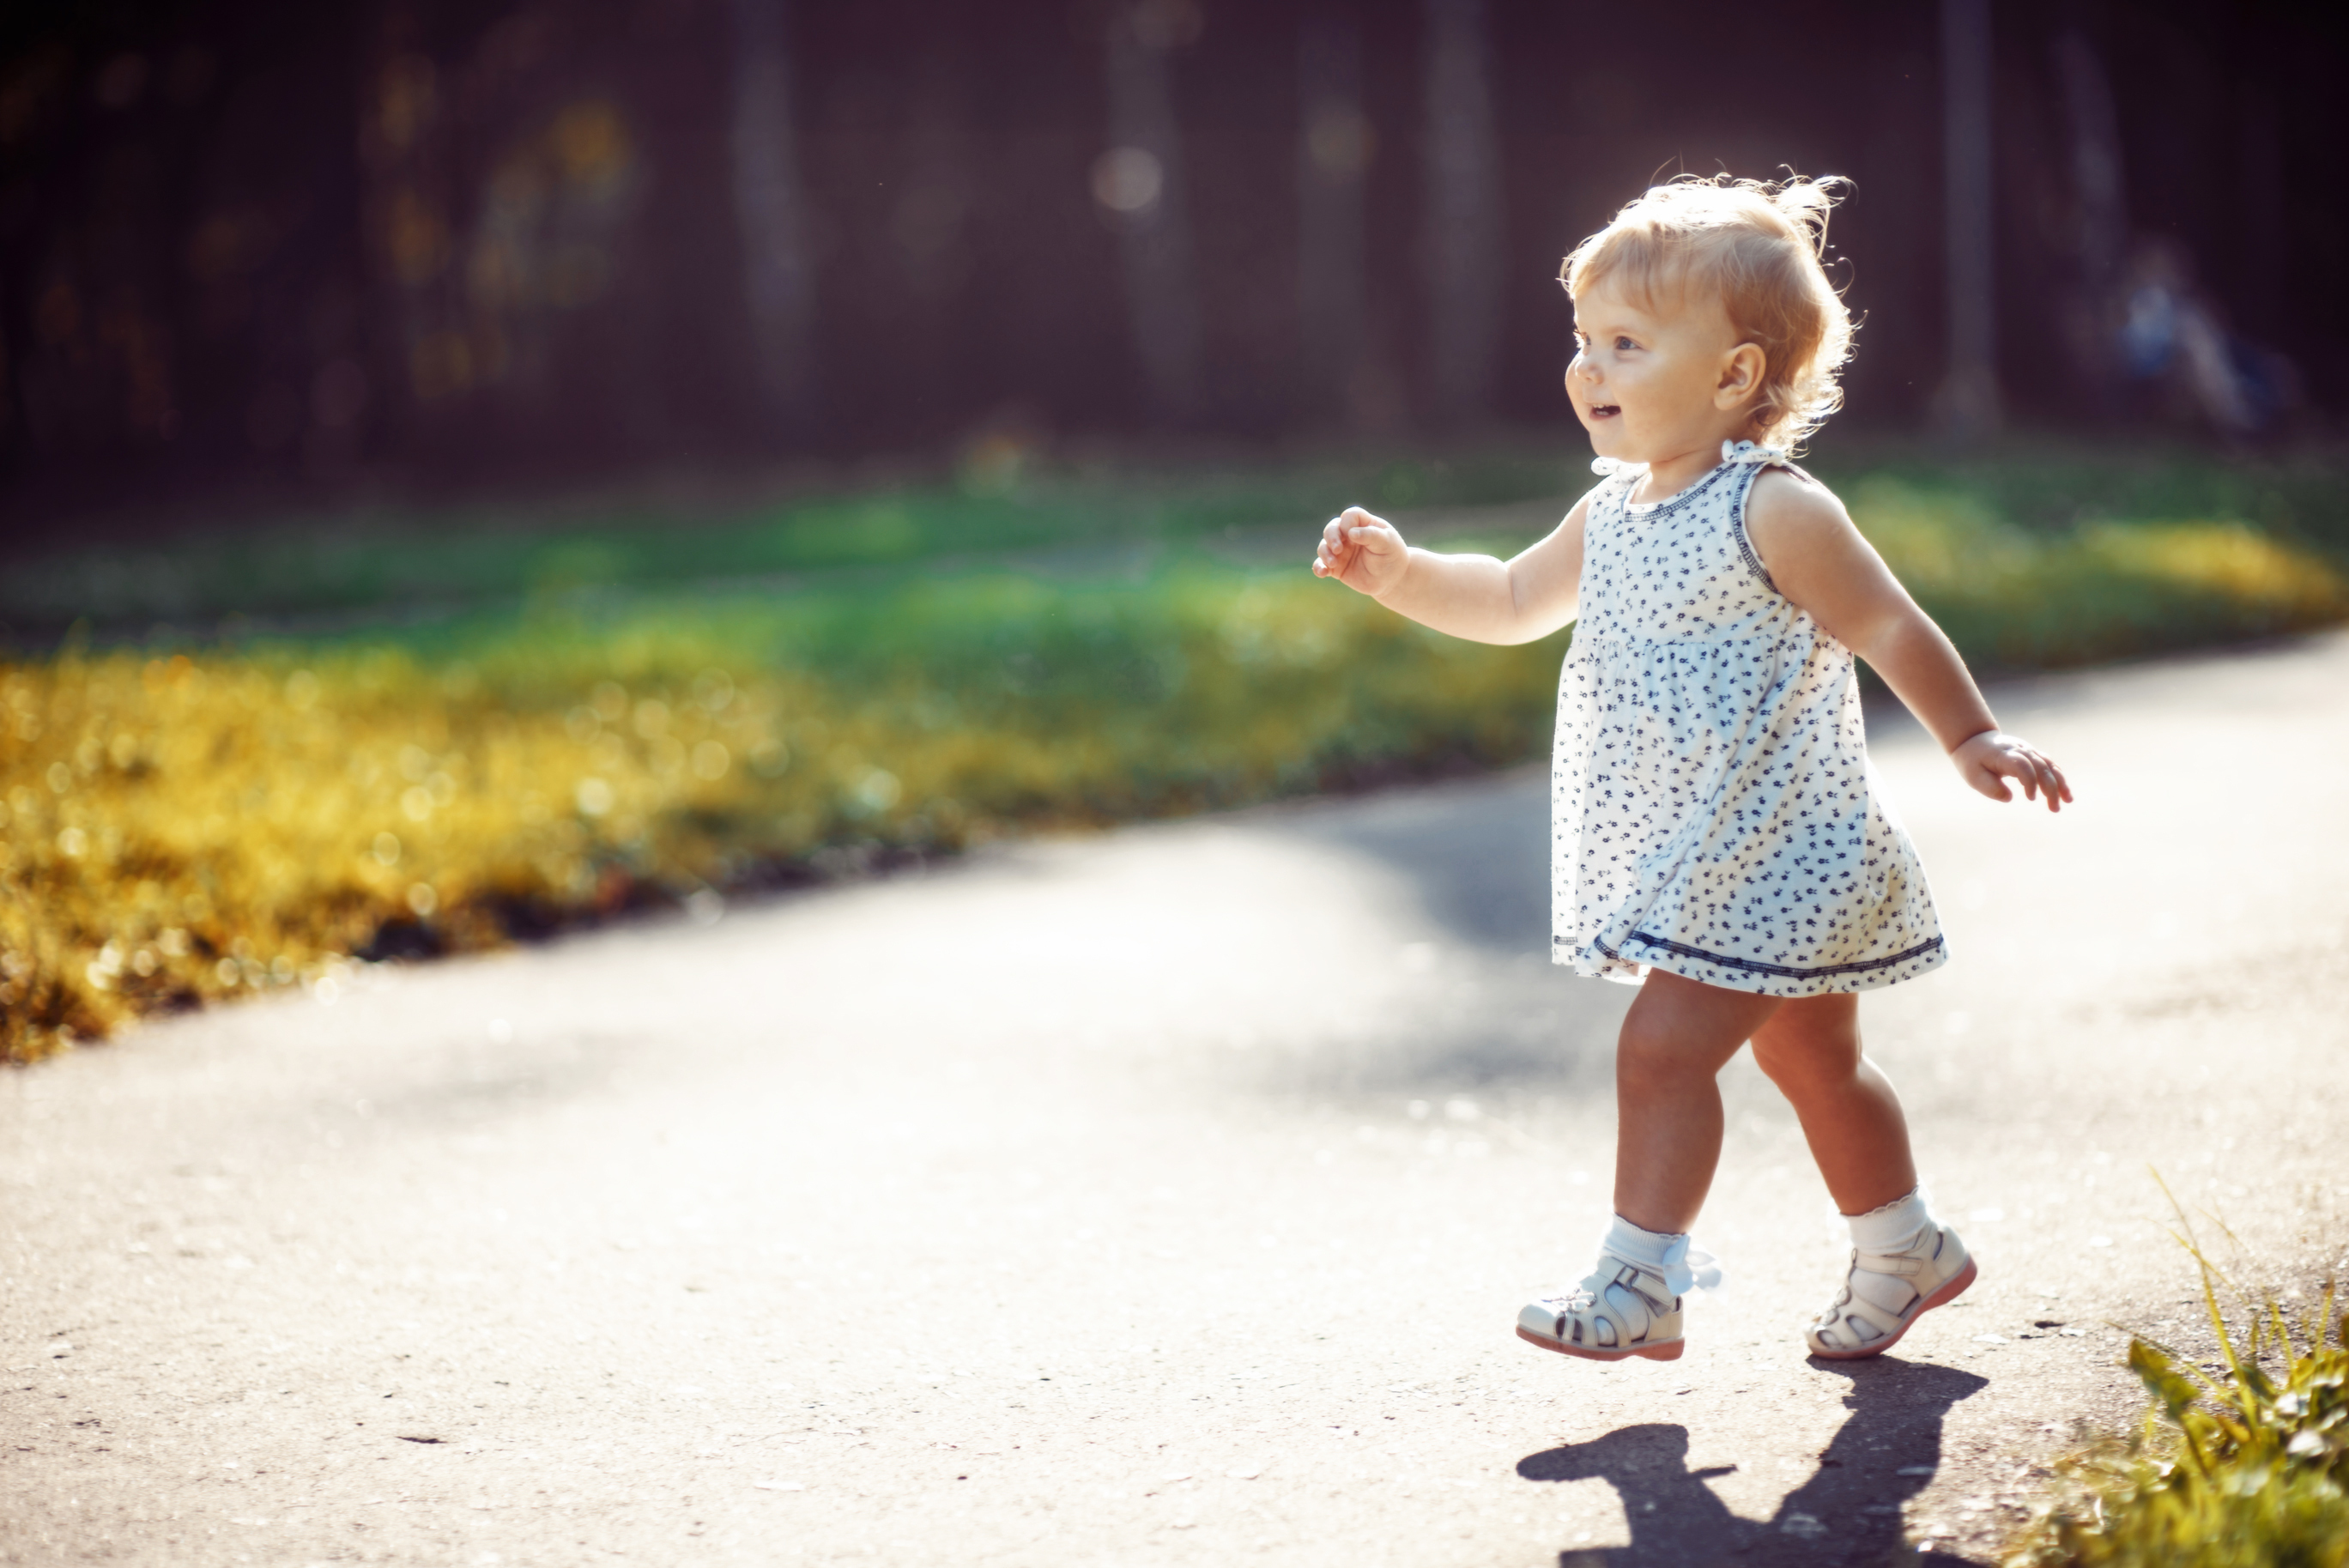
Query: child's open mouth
x,y
1605,410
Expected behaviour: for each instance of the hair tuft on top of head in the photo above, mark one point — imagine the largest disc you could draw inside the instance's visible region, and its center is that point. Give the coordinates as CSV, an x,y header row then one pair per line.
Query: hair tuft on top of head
x,y
1759,245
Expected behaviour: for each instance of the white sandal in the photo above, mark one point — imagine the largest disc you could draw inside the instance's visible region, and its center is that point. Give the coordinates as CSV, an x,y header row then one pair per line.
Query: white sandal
x,y
1622,1309
1937,1269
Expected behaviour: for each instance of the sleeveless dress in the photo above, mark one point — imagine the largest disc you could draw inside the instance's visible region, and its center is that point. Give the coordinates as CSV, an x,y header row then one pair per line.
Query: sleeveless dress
x,y
1713,813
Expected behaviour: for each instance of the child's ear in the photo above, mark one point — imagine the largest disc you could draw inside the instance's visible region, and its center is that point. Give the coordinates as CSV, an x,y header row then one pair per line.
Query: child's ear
x,y
1741,376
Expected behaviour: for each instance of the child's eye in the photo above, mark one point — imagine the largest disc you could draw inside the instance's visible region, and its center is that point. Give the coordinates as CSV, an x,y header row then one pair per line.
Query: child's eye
x,y
1624,346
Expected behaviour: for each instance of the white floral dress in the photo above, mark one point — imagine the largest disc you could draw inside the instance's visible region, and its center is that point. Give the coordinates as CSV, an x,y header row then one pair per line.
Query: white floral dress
x,y
1714,811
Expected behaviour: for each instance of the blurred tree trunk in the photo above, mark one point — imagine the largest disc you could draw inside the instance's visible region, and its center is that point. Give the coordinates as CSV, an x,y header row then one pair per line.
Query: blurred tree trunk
x,y
1140,181
770,216
2100,212
1969,398
2097,172
2267,237
1334,148
404,221
1462,211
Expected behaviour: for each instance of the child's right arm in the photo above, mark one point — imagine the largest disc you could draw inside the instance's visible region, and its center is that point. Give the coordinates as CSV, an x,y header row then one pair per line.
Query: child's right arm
x,y
1477,597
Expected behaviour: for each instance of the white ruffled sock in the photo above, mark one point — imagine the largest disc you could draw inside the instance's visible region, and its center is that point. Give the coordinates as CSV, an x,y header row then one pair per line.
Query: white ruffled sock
x,y
1672,1254
1895,1227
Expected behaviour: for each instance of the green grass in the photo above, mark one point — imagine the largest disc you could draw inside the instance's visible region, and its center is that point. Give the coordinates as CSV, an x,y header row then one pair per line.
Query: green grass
x,y
495,748
376,559
2051,488
319,570
178,829
2015,599
2248,1468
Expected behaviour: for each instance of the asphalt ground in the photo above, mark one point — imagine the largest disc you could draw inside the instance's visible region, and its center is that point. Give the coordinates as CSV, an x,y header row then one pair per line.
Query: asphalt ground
x,y
1168,1196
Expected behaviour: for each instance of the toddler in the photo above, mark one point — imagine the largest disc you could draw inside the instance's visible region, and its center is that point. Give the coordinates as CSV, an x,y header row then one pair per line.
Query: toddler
x,y
1717,834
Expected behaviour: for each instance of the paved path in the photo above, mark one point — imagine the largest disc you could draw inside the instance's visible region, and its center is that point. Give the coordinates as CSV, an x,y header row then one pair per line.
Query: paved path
x,y
1163,1198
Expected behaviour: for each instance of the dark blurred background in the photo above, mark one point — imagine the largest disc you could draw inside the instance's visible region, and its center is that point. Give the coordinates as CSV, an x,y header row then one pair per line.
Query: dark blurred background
x,y
264,248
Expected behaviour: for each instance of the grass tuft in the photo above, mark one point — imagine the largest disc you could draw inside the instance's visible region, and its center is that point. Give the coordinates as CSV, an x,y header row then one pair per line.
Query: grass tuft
x,y
2246,1469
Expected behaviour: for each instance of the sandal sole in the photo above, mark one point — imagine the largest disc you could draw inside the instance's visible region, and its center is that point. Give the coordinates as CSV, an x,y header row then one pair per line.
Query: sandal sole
x,y
1669,1350
1942,1297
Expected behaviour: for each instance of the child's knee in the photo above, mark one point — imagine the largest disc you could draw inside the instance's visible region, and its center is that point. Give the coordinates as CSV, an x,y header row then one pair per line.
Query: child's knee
x,y
1650,1058
1813,1064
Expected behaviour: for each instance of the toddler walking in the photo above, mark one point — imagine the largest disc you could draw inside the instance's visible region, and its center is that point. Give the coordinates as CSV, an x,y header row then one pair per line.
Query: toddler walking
x,y
1717,834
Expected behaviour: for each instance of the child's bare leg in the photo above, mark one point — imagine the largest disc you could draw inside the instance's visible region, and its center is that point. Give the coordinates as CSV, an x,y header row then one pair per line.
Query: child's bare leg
x,y
1677,1036
1850,1115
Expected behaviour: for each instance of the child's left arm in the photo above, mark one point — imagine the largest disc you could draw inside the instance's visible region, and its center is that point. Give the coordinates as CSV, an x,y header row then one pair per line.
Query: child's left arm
x,y
1818,559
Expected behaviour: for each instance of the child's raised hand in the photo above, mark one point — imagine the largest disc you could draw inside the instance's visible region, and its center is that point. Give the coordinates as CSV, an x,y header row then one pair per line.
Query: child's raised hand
x,y
1362,552
1991,758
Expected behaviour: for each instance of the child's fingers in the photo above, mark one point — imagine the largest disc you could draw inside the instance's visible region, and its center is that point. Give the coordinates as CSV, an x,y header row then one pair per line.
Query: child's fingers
x,y
1987,776
1335,554
2047,778
1348,541
2040,779
2059,789
2051,785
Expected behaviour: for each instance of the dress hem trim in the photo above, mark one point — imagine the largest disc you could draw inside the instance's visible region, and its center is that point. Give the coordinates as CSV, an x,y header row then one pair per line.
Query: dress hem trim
x,y
1784,971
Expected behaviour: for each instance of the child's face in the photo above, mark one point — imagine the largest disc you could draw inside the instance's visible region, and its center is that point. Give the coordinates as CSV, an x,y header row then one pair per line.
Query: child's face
x,y
1655,379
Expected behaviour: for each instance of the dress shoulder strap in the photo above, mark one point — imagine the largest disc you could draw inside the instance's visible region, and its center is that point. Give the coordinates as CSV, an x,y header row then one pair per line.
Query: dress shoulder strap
x,y
1616,478
1741,497
1762,458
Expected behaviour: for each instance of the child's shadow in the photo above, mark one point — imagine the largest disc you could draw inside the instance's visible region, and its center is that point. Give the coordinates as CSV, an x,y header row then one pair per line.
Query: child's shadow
x,y
1849,1511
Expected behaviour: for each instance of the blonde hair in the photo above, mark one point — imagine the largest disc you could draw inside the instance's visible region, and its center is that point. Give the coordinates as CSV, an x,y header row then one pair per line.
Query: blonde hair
x,y
1756,244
